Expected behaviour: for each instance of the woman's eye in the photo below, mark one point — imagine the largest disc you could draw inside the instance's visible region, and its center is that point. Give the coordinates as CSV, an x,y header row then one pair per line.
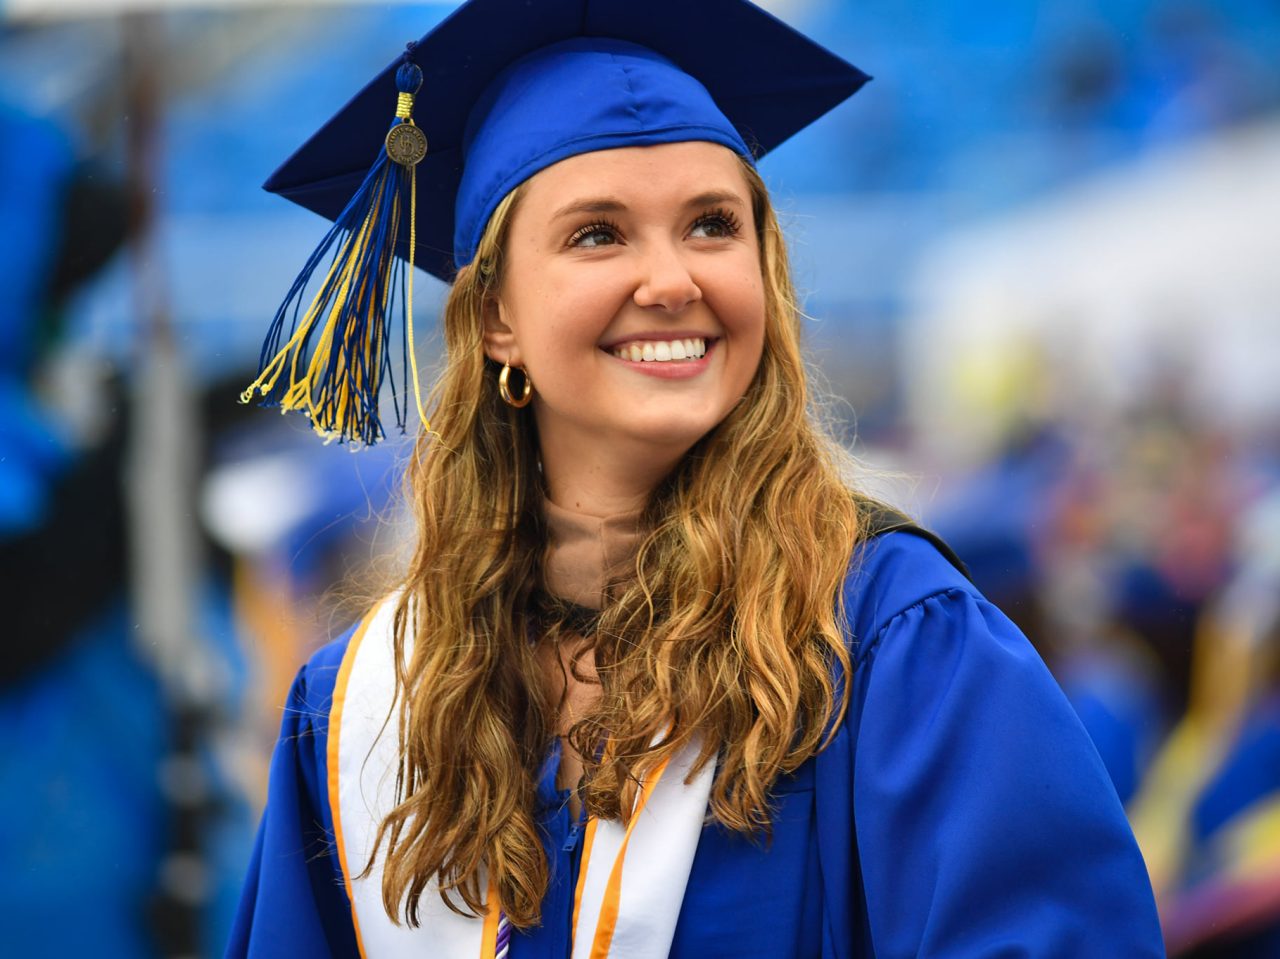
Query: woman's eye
x,y
594,234
716,225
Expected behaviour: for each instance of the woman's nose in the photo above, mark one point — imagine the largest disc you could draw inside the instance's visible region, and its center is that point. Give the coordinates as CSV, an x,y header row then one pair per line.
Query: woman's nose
x,y
665,281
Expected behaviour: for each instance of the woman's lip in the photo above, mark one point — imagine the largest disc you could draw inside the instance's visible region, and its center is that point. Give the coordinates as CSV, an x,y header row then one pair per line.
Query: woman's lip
x,y
670,369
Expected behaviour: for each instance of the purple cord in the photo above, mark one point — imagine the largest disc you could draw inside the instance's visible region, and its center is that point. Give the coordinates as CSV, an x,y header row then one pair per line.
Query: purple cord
x,y
504,937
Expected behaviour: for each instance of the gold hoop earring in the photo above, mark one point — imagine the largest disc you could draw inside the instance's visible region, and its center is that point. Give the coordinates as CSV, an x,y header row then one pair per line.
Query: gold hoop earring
x,y
504,388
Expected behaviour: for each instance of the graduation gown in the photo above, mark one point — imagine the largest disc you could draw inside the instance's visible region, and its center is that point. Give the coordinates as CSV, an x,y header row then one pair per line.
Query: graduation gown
x,y
960,811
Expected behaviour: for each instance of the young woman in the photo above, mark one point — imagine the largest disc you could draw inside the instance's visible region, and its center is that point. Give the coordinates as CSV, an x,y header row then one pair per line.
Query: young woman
x,y
657,680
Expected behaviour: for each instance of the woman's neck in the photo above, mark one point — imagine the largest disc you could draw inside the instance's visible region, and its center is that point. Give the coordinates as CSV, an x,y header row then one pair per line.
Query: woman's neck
x,y
585,553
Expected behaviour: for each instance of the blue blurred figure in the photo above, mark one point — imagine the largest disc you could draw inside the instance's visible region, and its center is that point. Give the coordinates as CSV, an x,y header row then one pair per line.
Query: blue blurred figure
x,y
81,813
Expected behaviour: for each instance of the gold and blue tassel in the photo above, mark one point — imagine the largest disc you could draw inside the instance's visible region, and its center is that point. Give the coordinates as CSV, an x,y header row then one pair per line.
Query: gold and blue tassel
x,y
333,362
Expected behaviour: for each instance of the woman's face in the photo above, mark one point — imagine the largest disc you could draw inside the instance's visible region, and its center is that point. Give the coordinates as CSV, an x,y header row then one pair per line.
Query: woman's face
x,y
632,295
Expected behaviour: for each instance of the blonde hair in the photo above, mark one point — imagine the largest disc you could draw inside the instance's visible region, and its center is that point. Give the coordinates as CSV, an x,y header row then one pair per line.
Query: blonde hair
x,y
728,631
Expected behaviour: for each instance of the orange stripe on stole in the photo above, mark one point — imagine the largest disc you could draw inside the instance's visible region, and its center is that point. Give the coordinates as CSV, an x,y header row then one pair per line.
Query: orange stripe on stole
x,y
335,727
489,937
608,920
587,842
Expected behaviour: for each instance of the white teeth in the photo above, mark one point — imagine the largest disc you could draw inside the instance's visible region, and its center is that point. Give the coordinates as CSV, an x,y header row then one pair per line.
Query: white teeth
x,y
662,351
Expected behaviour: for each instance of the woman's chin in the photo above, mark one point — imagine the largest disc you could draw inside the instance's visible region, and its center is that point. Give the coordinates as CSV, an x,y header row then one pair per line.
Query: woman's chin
x,y
672,438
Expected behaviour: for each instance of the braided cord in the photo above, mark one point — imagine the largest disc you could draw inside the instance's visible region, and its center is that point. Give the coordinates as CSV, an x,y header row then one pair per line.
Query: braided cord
x,y
504,937
413,244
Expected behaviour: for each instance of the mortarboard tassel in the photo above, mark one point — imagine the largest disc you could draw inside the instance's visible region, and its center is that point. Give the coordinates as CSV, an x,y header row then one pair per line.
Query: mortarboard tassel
x,y
337,382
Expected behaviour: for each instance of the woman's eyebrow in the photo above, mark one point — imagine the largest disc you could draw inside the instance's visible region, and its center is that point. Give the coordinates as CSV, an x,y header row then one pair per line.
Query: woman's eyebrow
x,y
612,204
603,204
715,197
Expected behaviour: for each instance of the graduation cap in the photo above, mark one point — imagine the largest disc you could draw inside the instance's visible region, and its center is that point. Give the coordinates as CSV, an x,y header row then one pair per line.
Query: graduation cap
x,y
498,91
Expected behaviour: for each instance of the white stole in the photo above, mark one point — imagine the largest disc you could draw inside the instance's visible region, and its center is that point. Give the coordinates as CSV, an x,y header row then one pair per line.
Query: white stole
x,y
632,880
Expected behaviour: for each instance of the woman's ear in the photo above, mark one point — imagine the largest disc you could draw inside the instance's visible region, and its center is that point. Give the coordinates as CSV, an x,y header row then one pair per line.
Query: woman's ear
x,y
499,338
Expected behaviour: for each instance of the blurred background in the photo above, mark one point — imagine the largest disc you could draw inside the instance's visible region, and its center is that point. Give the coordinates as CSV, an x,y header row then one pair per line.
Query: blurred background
x,y
1041,257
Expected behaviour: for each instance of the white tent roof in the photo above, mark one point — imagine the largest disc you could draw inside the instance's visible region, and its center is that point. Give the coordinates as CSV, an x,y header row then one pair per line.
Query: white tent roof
x,y
1170,264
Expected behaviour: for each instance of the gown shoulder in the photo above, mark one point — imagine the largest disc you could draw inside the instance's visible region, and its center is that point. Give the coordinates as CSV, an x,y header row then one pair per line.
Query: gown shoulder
x,y
294,900
963,810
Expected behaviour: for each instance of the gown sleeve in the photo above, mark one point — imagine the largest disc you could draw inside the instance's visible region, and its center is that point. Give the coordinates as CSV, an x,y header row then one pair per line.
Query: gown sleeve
x,y
294,902
984,823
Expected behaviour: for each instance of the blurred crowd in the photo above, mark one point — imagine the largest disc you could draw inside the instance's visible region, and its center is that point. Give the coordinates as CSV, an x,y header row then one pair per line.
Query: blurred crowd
x,y
172,556
1142,557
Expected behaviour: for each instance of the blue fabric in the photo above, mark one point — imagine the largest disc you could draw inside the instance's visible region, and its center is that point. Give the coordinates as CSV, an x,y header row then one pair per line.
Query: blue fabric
x,y
35,164
960,811
1249,774
294,902
1245,783
1118,701
985,822
81,812
603,73
32,457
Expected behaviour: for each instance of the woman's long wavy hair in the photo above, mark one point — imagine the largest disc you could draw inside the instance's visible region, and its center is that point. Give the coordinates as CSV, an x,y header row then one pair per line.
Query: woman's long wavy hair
x,y
728,630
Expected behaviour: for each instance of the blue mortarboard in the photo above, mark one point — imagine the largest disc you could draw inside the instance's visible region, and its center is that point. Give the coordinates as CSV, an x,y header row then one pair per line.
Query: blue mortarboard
x,y
502,89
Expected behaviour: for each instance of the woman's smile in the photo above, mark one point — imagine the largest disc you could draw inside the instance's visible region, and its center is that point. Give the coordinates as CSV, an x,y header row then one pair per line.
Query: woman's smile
x,y
666,357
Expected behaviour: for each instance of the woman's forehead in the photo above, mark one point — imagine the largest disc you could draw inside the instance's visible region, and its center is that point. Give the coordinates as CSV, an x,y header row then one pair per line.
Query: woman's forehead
x,y
663,174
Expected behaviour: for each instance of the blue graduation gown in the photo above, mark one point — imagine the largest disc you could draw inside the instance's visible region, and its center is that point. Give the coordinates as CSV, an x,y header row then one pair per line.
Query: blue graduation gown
x,y
960,811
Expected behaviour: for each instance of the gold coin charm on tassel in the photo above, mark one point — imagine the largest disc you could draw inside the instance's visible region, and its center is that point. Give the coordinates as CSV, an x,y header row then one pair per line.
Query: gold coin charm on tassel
x,y
406,143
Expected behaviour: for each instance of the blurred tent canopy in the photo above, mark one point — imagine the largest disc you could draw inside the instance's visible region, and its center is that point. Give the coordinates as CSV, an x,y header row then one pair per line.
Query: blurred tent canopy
x,y
1162,268
865,193
45,10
